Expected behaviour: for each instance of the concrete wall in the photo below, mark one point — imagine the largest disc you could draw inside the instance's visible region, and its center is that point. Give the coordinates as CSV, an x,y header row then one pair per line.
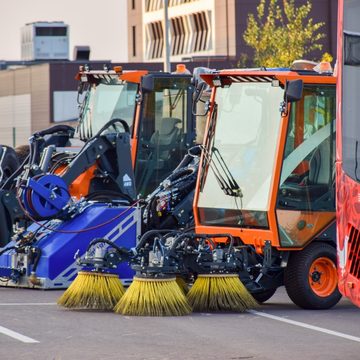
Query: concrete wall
x,y
24,103
225,34
134,11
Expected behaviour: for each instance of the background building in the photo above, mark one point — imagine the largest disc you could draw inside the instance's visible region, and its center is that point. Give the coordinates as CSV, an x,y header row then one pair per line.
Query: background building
x,y
45,40
33,97
207,28
41,91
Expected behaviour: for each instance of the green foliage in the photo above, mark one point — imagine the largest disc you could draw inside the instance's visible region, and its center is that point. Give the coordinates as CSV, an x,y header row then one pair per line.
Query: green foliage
x,y
280,35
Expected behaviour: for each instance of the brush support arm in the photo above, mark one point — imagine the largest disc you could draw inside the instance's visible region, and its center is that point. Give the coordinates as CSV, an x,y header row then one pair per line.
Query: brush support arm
x,y
102,258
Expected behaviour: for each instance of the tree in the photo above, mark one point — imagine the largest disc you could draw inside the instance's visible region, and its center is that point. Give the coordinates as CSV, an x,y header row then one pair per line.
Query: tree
x,y
280,35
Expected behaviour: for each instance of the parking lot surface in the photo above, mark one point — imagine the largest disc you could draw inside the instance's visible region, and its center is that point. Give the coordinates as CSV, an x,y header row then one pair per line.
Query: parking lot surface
x,y
32,326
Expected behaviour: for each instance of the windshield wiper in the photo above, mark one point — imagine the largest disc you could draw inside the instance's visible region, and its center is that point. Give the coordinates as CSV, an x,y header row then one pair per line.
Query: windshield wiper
x,y
222,173
230,186
217,163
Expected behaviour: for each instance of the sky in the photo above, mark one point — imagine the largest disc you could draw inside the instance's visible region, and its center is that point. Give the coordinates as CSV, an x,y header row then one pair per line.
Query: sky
x,y
100,24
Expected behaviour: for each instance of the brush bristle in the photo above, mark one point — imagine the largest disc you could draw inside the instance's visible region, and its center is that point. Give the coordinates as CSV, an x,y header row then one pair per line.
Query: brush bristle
x,y
182,284
153,297
212,293
93,291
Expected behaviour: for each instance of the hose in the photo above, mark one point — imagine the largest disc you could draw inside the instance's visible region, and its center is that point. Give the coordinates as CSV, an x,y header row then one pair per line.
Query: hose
x,y
7,249
120,250
75,231
37,251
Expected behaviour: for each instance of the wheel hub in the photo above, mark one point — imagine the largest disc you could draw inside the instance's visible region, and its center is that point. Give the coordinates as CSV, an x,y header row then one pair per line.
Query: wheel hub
x,y
316,276
323,276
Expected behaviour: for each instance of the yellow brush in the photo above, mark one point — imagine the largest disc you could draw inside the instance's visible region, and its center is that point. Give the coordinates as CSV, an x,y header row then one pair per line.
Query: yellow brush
x,y
93,291
220,292
182,284
153,297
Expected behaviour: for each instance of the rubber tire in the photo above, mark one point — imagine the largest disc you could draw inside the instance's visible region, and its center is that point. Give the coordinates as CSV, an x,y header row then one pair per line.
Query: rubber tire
x,y
296,277
10,163
264,296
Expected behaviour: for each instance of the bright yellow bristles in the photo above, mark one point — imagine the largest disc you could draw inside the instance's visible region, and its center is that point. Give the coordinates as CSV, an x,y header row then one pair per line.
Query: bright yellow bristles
x,y
93,291
153,297
220,292
182,284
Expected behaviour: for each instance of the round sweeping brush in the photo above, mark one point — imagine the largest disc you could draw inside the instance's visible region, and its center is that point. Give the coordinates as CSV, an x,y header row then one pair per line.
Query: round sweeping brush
x,y
182,284
220,292
93,291
153,297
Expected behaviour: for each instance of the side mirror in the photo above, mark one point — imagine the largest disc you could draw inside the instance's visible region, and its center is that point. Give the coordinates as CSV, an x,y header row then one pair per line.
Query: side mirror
x,y
199,89
293,90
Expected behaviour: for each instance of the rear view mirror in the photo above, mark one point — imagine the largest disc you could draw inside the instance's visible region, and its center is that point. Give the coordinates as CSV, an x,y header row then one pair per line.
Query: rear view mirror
x,y
293,91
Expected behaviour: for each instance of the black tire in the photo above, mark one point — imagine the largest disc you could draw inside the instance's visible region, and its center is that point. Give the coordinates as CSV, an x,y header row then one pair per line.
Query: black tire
x,y
297,277
9,163
263,296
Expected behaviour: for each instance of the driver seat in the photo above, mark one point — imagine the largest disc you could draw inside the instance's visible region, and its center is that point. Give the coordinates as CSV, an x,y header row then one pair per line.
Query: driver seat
x,y
165,140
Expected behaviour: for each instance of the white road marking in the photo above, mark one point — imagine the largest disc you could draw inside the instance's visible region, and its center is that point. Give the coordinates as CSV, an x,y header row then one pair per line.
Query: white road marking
x,y
306,326
25,304
17,336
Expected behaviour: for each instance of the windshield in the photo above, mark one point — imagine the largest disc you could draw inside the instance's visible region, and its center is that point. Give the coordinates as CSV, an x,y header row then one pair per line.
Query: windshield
x,y
246,136
164,133
105,102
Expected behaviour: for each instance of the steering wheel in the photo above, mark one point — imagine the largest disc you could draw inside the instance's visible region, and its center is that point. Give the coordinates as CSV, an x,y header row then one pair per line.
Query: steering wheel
x,y
112,123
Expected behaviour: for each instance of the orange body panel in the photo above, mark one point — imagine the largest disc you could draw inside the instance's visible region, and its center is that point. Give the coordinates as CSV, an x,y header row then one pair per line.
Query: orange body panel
x,y
133,76
302,225
81,185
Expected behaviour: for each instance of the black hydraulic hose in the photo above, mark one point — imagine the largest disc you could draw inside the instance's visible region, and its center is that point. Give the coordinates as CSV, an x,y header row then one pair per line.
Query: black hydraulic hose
x,y
194,151
110,194
7,249
120,250
177,241
15,174
54,129
33,151
180,174
38,253
203,237
150,233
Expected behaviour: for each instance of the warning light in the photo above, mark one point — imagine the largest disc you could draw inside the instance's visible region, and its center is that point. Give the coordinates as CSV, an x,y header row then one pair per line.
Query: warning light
x,y
323,67
118,69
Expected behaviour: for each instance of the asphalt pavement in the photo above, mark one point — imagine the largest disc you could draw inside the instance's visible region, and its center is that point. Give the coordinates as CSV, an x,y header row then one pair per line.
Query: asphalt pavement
x,y
32,326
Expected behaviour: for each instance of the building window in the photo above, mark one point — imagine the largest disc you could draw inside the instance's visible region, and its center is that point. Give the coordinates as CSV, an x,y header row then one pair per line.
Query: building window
x,y
133,4
51,31
201,30
134,40
154,40
178,35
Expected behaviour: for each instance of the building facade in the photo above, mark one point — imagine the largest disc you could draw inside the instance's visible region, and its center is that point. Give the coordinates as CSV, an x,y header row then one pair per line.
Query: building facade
x,y
207,28
36,97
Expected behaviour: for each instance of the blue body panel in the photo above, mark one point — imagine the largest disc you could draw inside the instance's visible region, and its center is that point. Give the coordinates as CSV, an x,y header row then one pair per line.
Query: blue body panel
x,y
57,266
